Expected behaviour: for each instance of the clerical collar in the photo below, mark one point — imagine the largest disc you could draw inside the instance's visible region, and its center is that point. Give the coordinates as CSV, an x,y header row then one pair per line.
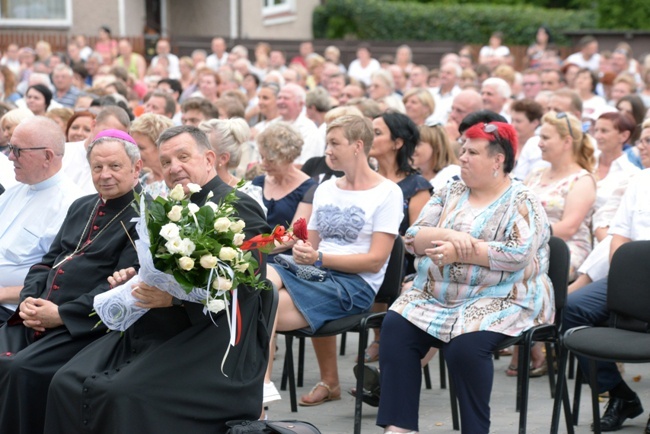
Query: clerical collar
x,y
199,198
122,201
49,182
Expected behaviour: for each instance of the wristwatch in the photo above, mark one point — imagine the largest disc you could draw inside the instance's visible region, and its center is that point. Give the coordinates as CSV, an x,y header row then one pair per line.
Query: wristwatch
x,y
177,302
319,261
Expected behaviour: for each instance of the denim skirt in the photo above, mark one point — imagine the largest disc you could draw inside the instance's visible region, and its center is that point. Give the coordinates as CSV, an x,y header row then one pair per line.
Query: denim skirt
x,y
338,296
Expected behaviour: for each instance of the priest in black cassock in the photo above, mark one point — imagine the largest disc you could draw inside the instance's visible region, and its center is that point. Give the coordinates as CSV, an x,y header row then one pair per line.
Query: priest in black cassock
x,y
53,322
163,374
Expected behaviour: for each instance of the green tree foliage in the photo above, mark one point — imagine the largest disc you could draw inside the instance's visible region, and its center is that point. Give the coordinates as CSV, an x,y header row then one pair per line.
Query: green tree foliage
x,y
471,23
629,14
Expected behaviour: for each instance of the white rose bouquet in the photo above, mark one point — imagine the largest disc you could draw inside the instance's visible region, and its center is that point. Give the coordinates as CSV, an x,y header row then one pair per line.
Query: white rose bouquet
x,y
192,252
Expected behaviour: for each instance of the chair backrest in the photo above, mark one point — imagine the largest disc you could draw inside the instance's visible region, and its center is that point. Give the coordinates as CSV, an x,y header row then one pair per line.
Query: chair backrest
x,y
392,284
269,302
559,264
628,287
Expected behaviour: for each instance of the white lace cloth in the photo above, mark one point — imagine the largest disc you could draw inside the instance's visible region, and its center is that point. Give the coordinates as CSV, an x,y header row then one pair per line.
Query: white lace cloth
x,y
117,308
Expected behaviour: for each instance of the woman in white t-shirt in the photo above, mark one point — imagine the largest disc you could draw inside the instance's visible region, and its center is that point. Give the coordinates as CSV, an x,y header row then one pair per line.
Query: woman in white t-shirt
x,y
353,226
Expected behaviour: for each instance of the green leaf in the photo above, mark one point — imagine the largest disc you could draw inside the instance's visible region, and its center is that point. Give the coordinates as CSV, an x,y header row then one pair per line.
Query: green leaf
x,y
183,281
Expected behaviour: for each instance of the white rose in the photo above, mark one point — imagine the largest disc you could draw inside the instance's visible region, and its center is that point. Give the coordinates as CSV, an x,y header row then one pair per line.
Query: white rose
x,y
227,254
216,305
210,195
238,226
242,267
192,208
177,192
222,224
175,213
238,239
208,261
169,231
175,245
193,188
212,205
187,247
186,263
222,284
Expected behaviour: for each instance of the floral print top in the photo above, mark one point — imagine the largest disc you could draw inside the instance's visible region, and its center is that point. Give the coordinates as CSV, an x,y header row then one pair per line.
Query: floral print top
x,y
510,296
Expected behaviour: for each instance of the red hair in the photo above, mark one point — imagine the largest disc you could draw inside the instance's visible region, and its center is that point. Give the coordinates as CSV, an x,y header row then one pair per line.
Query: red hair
x,y
505,131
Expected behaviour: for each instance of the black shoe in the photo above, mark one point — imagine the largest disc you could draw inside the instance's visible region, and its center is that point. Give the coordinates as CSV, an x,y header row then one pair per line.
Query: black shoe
x,y
647,427
617,411
371,387
370,398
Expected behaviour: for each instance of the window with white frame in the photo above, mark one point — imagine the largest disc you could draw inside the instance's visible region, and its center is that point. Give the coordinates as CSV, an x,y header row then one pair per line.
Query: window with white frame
x,y
276,7
36,12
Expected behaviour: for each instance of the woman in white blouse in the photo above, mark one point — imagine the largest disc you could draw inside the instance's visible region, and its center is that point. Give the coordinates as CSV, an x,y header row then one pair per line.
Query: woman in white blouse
x,y
613,172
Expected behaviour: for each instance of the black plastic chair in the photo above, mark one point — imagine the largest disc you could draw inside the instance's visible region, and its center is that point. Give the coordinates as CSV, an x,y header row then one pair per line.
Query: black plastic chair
x,y
627,339
360,323
558,272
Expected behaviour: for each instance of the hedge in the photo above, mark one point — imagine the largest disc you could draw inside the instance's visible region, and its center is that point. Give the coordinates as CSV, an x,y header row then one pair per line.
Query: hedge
x,y
472,24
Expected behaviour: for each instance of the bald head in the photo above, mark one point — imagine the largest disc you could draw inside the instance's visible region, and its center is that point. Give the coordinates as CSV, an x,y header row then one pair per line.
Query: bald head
x,y
466,102
40,143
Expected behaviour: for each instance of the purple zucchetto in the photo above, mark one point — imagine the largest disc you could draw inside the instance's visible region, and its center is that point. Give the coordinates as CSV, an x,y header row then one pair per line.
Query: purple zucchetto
x,y
115,134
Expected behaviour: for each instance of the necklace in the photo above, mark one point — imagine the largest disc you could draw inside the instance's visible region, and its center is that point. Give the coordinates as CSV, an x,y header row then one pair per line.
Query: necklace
x,y
81,248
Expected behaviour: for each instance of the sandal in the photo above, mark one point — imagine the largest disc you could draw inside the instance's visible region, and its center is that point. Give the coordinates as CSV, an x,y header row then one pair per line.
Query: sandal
x,y
539,371
511,371
372,352
331,395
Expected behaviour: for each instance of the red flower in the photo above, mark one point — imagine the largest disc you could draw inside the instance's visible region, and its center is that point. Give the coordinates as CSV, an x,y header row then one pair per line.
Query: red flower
x,y
300,229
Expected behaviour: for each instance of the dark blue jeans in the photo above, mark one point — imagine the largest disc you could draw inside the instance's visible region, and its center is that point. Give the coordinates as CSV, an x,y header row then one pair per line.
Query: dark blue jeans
x,y
469,360
588,307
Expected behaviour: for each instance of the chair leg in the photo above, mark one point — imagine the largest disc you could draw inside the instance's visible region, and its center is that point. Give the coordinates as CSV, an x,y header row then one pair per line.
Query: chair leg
x,y
290,373
572,366
285,376
443,371
358,402
301,361
455,423
577,392
427,376
561,394
523,381
343,342
593,383
550,362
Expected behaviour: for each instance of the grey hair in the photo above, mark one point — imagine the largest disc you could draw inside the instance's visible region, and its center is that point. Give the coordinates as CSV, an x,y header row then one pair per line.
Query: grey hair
x,y
131,149
227,136
65,68
502,86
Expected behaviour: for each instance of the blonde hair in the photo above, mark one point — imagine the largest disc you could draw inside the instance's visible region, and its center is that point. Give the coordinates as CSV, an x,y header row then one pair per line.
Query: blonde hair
x,y
151,125
227,136
354,128
340,111
443,154
583,150
424,96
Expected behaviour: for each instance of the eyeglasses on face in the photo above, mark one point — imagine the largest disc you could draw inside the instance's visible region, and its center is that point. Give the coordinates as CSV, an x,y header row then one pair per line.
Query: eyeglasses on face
x,y
645,141
16,150
564,115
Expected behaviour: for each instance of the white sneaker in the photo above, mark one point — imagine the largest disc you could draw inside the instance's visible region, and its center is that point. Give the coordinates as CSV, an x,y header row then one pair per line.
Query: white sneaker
x,y
271,393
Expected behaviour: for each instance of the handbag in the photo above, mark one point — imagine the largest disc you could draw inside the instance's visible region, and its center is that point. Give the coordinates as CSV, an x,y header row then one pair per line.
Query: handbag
x,y
271,427
306,272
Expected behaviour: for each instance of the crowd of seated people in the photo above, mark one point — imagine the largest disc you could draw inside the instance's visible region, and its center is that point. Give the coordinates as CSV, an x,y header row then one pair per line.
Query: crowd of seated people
x,y
365,152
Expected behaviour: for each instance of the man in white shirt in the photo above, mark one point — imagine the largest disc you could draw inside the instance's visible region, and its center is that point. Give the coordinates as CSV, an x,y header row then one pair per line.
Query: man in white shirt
x,y
164,50
32,211
588,56
291,101
496,93
75,162
444,94
219,56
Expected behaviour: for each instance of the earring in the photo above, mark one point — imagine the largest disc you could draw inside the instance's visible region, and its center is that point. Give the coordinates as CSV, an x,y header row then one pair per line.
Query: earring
x,y
356,153
495,173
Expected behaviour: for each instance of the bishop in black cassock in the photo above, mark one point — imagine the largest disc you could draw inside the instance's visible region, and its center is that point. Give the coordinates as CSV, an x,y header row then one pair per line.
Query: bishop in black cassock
x,y
163,374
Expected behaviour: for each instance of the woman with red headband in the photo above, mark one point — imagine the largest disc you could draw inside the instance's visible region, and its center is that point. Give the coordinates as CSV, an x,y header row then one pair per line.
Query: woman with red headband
x,y
482,255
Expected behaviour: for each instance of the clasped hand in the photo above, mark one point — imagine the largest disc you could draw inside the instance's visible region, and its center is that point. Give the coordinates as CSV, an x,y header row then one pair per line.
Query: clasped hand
x,y
457,247
149,297
39,314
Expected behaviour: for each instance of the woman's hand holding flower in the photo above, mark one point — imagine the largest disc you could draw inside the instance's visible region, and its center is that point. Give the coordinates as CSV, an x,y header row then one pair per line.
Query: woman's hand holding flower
x,y
304,253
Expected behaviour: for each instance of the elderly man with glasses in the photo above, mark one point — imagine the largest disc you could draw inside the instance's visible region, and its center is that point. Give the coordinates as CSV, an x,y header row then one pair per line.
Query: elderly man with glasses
x,y
32,211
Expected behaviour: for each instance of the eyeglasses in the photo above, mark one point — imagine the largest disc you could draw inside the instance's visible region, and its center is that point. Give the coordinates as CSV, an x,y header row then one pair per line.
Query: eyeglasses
x,y
645,141
16,150
564,115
